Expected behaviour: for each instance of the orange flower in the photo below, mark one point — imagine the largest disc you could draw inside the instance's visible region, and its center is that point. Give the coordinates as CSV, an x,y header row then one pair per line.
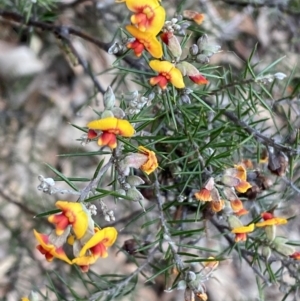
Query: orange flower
x,y
217,206
241,232
151,164
205,194
236,177
144,40
48,249
74,214
110,127
238,207
167,73
149,15
96,247
193,15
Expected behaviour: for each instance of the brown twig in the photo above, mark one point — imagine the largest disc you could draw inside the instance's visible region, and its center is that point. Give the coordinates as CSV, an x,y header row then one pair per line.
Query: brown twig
x,y
61,30
255,133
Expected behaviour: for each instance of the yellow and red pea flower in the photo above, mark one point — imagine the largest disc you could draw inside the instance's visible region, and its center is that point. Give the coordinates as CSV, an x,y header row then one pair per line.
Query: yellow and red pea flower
x,y
110,127
151,164
96,247
241,232
149,15
144,40
167,74
49,250
74,214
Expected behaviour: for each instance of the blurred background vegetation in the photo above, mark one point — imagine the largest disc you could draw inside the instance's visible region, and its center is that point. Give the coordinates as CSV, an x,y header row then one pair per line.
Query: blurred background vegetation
x,y
44,88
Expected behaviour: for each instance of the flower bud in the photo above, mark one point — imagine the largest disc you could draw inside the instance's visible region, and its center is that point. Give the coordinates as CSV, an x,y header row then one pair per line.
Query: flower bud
x,y
173,44
134,194
185,99
234,222
194,49
106,114
280,240
181,285
118,112
270,232
190,276
284,249
280,75
33,296
134,180
109,98
202,59
121,192
266,252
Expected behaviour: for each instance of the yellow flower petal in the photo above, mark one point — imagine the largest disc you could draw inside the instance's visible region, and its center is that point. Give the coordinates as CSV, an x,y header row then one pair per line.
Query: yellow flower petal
x,y
176,78
113,125
77,215
103,124
151,44
161,66
150,16
49,250
241,172
106,236
168,71
85,260
244,229
151,164
273,221
242,187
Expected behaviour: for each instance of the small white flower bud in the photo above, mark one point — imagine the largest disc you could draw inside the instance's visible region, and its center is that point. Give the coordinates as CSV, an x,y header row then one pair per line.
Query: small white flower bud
x,y
109,98
280,75
107,218
126,186
194,49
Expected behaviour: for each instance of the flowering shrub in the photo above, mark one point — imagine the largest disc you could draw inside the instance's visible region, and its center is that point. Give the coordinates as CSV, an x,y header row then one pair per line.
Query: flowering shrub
x,y
191,159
